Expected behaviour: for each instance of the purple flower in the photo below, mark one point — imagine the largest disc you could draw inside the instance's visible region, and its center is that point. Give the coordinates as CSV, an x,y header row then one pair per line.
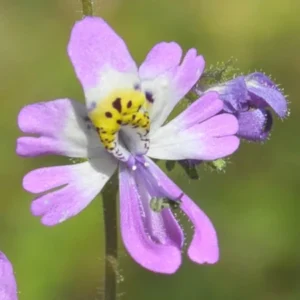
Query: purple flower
x,y
8,286
113,131
249,99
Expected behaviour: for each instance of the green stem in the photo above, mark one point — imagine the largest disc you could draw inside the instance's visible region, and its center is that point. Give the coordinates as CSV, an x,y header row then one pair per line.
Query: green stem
x,y
109,197
87,7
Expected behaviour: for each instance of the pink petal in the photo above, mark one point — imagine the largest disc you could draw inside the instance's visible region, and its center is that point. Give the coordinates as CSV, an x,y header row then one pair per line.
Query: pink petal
x,y
215,148
160,59
218,126
70,188
147,236
94,46
189,71
202,109
33,146
45,118
204,244
60,127
44,179
209,140
8,286
166,80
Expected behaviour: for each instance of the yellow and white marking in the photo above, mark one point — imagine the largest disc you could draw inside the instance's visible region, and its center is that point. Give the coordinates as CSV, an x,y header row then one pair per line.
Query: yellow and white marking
x,y
123,107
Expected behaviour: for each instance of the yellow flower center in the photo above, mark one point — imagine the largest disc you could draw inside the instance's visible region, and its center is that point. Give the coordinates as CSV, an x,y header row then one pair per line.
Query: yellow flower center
x,y
120,108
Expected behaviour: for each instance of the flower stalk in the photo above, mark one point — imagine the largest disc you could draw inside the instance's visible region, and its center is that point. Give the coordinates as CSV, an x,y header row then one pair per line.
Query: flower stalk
x,y
87,7
109,200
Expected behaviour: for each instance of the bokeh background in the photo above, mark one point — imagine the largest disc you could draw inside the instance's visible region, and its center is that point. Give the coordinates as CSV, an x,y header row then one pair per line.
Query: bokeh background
x,y
255,205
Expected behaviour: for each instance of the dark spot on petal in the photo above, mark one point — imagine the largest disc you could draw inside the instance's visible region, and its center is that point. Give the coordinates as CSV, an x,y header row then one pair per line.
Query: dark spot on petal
x,y
129,104
117,104
133,117
108,114
149,97
269,121
119,122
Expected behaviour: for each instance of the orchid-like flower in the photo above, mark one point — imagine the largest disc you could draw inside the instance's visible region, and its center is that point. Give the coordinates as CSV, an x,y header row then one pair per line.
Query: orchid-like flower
x,y
249,99
8,286
121,127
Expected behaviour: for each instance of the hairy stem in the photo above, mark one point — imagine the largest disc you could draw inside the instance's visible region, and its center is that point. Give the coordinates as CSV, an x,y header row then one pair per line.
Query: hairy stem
x,y
109,196
87,7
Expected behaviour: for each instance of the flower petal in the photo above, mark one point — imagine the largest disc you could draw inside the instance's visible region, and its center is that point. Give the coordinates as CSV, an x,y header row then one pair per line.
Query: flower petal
x,y
218,126
169,87
204,244
70,188
200,110
265,93
63,127
233,93
255,125
146,235
161,58
189,72
97,53
163,224
8,286
209,140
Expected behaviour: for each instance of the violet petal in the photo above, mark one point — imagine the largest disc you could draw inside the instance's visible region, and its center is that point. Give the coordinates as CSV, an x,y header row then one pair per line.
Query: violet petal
x,y
233,93
254,125
264,92
8,286
204,244
144,233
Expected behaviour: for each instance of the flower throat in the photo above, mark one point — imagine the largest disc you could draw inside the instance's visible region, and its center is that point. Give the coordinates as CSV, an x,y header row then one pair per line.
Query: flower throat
x,y
120,108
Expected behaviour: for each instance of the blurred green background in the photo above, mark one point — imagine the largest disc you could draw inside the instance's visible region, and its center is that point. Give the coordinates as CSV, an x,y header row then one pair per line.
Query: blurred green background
x,y
254,206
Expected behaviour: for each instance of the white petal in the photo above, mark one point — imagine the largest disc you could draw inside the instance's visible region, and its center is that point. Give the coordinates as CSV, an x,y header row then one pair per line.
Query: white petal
x,y
209,140
75,186
59,127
